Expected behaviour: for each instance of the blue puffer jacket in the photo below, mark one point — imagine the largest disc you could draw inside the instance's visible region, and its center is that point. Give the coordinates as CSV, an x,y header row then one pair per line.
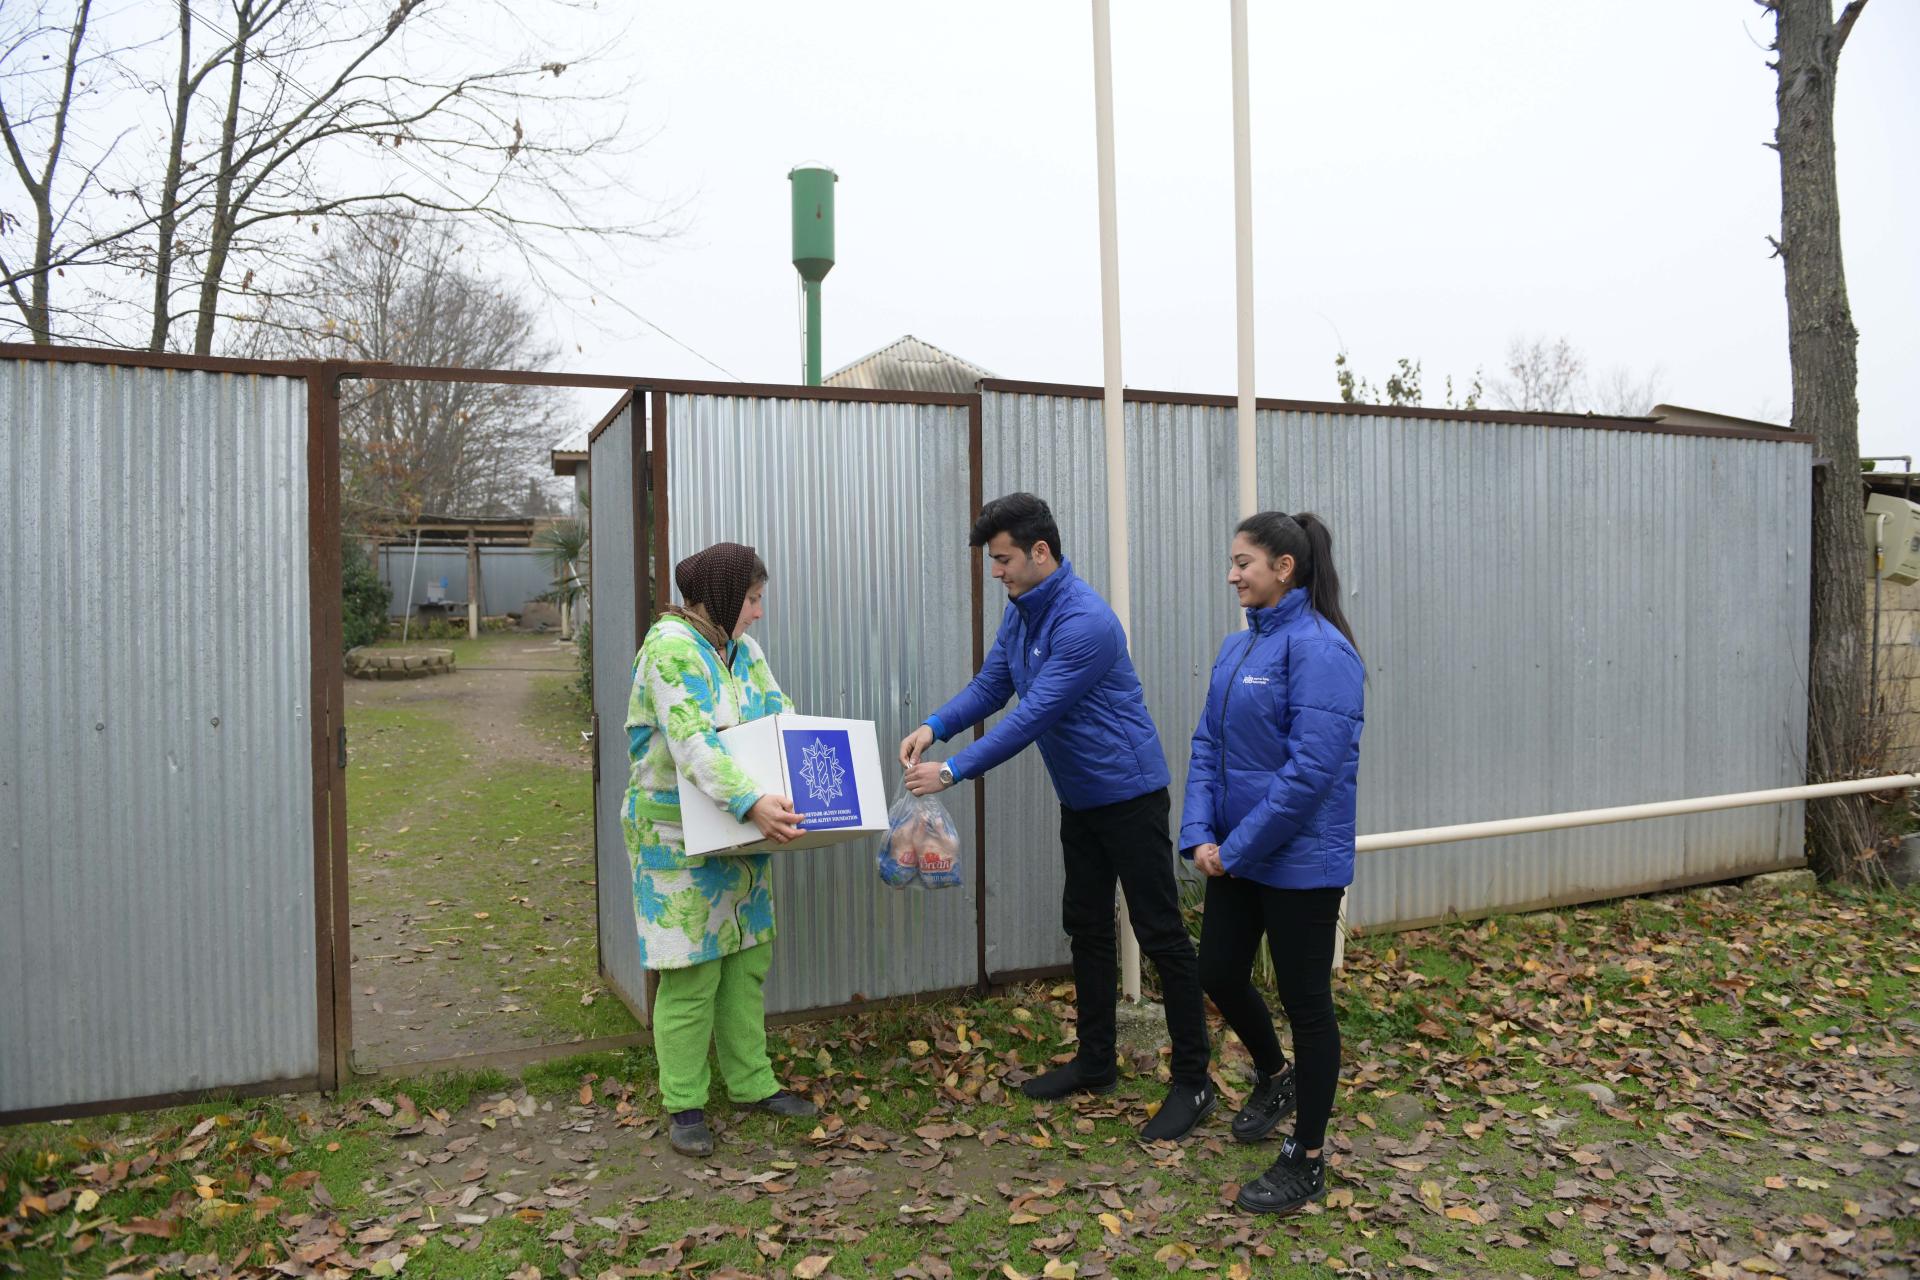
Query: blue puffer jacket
x,y
1276,759
1061,649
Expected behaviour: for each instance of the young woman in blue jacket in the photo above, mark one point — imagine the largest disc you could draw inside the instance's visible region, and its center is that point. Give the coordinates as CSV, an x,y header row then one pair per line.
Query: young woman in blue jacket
x,y
1269,817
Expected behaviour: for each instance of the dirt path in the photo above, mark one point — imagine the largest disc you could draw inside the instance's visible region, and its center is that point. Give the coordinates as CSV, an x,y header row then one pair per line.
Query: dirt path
x,y
473,897
490,699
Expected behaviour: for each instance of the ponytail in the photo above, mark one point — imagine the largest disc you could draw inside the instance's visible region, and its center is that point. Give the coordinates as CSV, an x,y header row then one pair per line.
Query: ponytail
x,y
1306,538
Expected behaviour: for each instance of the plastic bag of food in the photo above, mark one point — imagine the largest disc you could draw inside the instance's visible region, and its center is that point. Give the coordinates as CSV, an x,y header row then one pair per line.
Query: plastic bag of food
x,y
939,847
922,846
899,858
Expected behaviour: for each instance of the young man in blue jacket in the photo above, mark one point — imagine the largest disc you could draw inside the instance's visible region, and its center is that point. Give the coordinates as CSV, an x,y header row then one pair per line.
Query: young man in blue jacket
x,y
1061,648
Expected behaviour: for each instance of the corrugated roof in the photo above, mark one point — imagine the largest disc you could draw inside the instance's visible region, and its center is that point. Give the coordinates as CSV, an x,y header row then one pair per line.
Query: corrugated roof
x,y
569,453
909,364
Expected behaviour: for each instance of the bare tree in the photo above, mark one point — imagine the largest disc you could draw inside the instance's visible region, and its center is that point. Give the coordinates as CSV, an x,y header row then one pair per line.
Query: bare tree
x,y
399,288
1620,393
40,105
1821,339
283,116
1544,376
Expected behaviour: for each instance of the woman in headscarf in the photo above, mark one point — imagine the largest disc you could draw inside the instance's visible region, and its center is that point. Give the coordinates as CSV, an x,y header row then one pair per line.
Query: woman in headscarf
x,y
705,924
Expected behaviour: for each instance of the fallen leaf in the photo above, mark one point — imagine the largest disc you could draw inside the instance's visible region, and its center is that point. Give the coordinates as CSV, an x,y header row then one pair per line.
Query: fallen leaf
x,y
1465,1213
1430,1195
1112,1224
813,1267
165,1228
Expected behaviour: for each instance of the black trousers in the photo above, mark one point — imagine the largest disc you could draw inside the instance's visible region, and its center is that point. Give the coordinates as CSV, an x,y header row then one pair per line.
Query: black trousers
x,y
1129,843
1299,926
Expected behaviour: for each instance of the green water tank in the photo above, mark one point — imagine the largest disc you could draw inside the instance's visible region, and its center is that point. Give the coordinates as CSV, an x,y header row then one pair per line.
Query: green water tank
x,y
813,222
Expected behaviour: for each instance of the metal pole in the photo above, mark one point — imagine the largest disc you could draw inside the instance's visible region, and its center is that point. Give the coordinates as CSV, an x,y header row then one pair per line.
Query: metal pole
x,y
1119,592
1630,813
813,333
406,627
1243,260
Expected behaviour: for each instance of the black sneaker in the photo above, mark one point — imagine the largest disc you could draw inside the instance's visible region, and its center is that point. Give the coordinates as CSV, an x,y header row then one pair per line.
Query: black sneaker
x,y
782,1103
1068,1078
1185,1107
1287,1185
688,1134
1272,1101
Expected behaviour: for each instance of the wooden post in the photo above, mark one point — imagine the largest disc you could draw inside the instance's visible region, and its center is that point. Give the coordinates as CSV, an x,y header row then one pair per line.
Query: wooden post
x,y
473,587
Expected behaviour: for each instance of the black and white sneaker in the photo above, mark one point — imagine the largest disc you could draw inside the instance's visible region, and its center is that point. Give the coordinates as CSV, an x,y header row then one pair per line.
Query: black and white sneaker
x,y
1288,1184
1273,1100
1185,1107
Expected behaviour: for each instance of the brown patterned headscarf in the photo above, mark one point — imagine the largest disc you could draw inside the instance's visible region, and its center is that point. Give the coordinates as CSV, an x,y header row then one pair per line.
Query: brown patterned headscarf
x,y
718,579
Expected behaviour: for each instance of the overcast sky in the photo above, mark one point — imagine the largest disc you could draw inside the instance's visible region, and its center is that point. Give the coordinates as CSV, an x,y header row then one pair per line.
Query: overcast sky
x,y
1430,181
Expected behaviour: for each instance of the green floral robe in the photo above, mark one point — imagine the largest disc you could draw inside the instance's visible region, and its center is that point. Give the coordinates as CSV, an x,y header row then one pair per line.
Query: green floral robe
x,y
690,910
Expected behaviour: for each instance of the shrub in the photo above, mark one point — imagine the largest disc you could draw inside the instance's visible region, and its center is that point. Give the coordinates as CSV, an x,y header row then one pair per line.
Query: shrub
x,y
364,598
583,680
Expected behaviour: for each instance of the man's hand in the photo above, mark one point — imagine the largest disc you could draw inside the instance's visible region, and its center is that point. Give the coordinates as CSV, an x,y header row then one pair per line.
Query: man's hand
x,y
1207,858
923,779
775,817
914,745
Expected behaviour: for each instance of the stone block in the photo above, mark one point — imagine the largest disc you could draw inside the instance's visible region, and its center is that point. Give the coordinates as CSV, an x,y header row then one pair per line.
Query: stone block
x,y
1796,881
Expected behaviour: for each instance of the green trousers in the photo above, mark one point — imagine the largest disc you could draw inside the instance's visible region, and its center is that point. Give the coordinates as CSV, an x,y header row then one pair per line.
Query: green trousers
x,y
721,1003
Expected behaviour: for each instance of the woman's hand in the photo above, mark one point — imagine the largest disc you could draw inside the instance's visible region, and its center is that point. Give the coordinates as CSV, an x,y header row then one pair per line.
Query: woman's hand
x,y
914,745
775,817
1207,858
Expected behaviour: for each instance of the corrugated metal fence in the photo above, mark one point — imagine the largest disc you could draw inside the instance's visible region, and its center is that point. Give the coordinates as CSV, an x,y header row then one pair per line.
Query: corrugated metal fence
x,y
157,925
510,577
860,510
1552,617
1555,615
619,524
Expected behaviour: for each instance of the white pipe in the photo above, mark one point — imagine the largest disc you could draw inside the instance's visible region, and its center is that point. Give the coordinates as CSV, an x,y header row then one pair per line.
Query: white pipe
x,y
1243,260
1629,813
406,627
1119,593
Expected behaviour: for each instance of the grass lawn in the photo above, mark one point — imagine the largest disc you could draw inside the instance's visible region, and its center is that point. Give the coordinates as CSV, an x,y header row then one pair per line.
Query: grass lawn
x,y
1719,1084
469,805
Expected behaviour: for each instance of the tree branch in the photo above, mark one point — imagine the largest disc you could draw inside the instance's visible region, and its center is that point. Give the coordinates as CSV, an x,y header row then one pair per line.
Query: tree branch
x,y
1843,25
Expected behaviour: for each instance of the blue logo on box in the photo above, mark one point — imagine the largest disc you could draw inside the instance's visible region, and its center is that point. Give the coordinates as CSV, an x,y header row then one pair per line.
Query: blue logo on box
x,y
820,762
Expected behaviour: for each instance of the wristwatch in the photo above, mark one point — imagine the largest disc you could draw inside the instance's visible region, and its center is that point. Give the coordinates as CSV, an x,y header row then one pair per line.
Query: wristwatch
x,y
946,775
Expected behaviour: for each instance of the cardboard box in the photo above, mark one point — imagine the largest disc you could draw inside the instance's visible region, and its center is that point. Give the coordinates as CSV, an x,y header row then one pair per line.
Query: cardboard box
x,y
829,768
